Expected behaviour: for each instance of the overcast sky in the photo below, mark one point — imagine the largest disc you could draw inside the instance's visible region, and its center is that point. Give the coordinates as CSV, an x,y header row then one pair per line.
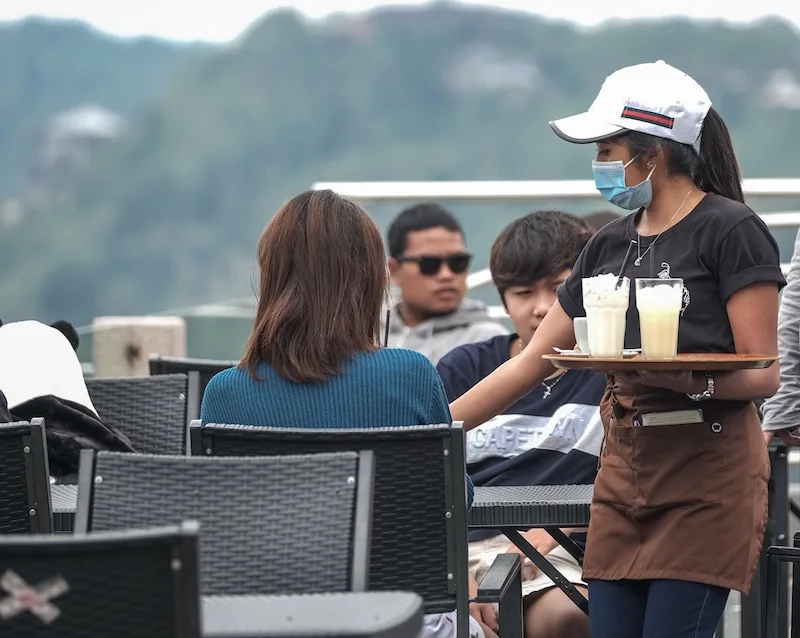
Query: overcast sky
x,y
223,21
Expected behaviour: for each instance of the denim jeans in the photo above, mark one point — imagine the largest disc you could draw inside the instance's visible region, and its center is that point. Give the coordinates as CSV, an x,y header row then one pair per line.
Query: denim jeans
x,y
654,608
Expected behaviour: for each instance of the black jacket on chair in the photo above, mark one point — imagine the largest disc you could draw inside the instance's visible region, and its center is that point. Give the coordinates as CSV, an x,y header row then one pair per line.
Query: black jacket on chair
x,y
70,427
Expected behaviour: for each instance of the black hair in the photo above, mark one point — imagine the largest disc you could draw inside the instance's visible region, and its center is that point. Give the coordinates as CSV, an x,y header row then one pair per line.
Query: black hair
x,y
540,245
415,218
713,169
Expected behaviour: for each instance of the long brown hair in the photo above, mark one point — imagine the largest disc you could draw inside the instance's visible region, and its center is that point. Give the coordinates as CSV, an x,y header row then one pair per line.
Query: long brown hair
x,y
323,287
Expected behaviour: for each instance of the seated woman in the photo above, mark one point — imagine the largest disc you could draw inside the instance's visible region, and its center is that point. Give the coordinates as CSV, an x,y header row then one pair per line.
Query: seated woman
x,y
314,359
41,376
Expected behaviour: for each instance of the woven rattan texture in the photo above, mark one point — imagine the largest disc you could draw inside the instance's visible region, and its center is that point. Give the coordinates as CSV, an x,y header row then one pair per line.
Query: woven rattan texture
x,y
151,411
124,593
14,516
205,368
267,525
531,506
409,537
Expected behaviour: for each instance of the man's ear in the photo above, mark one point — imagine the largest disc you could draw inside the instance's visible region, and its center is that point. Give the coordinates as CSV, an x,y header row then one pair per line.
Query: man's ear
x,y
394,269
68,330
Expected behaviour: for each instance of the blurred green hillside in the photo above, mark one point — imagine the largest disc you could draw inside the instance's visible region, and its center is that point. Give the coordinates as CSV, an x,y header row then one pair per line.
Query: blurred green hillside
x,y
169,215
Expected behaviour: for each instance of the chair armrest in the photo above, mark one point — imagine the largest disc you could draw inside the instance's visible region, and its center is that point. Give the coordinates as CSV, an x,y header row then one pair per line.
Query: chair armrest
x,y
503,584
499,579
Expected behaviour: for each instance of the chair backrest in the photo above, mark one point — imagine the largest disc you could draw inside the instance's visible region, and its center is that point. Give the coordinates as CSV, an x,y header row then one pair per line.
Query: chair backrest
x,y
268,523
124,584
24,479
205,368
153,412
419,511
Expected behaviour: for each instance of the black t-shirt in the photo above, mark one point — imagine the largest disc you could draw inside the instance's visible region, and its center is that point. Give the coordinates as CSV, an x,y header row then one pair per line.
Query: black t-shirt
x,y
721,247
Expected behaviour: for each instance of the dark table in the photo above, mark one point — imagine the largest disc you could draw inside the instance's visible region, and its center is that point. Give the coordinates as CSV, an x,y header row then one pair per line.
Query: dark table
x,y
370,614
511,509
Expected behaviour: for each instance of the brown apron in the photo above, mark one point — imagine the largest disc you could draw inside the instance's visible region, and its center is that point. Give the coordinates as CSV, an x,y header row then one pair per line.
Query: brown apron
x,y
683,502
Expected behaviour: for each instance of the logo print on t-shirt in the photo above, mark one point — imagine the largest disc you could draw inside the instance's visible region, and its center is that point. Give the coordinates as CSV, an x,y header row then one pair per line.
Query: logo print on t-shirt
x,y
665,274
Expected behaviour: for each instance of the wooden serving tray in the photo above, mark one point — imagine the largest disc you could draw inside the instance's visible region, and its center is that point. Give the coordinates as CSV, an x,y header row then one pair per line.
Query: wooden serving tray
x,y
700,361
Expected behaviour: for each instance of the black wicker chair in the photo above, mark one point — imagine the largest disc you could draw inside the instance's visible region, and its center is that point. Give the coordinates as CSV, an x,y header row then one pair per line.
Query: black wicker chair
x,y
774,622
122,584
153,412
419,525
24,479
205,368
268,523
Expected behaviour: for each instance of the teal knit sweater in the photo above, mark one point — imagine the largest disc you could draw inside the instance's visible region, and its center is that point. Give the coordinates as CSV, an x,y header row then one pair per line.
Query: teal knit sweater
x,y
390,387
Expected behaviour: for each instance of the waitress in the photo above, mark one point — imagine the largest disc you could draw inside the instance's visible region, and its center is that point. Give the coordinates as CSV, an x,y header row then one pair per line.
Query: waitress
x,y
679,510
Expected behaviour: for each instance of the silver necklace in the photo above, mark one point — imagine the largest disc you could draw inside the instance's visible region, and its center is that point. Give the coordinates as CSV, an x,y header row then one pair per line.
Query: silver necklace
x,y
548,388
639,253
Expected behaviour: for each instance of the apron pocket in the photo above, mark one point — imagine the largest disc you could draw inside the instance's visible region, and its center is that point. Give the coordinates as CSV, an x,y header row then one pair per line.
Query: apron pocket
x,y
615,483
676,465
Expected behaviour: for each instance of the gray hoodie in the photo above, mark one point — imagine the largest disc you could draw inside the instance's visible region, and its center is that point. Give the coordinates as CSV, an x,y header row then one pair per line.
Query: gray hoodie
x,y
437,336
782,411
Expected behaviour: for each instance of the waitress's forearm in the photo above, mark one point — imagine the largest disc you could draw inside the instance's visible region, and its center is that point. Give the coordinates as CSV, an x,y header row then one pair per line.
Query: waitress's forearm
x,y
518,376
746,385
505,386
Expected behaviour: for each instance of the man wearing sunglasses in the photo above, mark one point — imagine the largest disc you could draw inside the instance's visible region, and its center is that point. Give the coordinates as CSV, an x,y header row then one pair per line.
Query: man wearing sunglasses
x,y
429,263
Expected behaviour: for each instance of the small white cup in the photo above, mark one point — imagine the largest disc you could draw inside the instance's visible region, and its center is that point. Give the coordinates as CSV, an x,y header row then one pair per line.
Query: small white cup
x,y
581,333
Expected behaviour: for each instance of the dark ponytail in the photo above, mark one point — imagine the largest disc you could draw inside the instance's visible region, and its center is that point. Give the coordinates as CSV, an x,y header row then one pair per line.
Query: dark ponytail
x,y
718,171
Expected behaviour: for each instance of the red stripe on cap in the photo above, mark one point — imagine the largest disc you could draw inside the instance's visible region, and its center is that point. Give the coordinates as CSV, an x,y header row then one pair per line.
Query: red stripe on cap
x,y
648,116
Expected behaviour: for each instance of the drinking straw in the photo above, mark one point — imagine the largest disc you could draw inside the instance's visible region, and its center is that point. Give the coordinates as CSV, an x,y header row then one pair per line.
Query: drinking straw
x,y
625,261
386,329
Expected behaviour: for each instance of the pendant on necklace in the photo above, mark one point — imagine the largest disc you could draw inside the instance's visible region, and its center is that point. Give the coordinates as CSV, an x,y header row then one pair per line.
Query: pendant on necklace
x,y
637,261
547,391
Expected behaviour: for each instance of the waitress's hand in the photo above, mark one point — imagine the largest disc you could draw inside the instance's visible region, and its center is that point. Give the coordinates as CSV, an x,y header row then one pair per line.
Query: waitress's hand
x,y
682,382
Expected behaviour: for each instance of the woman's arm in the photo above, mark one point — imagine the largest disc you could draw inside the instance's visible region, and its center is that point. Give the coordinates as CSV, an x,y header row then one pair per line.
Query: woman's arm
x,y
518,376
753,314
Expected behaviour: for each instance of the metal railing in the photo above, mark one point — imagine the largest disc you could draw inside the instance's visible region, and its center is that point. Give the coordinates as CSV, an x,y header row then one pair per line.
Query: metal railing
x,y
516,191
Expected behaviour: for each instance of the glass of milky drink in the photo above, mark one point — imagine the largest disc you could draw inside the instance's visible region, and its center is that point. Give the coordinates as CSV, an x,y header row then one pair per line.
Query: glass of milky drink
x,y
605,306
659,302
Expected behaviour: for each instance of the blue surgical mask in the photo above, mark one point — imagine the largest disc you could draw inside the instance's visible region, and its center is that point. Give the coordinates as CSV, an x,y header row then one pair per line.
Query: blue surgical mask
x,y
609,178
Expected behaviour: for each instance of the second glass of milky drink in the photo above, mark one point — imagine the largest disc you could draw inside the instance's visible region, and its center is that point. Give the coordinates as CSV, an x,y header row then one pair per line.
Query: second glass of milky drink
x,y
606,305
659,302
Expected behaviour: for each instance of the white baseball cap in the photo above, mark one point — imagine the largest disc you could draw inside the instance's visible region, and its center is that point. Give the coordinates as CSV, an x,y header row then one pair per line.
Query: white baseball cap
x,y
653,98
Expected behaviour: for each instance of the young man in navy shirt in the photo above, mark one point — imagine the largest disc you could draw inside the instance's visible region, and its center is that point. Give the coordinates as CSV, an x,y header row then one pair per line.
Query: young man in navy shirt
x,y
552,436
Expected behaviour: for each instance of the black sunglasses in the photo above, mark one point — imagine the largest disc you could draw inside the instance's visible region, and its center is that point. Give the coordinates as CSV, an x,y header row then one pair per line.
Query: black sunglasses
x,y
430,266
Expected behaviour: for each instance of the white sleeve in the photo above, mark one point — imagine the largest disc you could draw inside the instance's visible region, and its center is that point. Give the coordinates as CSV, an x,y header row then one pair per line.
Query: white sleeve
x,y
782,411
